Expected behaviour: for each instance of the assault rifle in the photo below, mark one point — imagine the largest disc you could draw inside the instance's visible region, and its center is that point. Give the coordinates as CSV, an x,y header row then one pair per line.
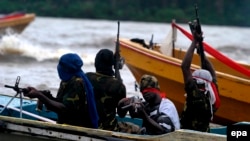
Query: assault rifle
x,y
118,60
133,103
16,87
197,27
24,90
19,92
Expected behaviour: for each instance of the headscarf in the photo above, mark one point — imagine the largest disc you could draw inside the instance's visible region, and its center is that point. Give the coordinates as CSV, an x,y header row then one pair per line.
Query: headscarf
x,y
150,83
104,62
204,77
70,65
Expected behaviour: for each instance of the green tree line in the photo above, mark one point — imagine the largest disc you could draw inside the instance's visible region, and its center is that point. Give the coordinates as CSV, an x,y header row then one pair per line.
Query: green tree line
x,y
211,12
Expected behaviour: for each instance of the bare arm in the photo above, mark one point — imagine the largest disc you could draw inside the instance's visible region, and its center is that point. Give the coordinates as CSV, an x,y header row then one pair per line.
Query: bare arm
x,y
186,63
210,68
52,104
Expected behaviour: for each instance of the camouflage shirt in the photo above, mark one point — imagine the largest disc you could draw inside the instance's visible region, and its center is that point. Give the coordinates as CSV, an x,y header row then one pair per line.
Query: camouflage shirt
x,y
72,94
197,110
108,92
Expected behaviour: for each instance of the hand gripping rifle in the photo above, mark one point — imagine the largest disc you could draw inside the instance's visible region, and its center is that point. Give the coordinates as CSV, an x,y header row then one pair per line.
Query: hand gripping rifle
x,y
19,92
119,61
133,103
197,27
25,90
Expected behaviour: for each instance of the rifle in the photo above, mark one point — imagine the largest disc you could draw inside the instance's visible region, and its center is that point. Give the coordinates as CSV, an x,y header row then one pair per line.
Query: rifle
x,y
133,103
196,26
17,89
25,90
18,92
118,60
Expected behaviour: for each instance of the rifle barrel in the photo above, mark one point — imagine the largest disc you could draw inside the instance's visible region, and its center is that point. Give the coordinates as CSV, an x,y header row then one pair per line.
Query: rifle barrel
x,y
117,54
201,48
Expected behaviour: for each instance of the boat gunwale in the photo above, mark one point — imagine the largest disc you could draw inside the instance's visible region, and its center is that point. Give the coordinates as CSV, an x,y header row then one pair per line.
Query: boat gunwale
x,y
89,132
177,62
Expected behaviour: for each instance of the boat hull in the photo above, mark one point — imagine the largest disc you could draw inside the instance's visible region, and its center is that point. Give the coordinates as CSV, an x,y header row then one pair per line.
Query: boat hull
x,y
234,91
16,24
16,128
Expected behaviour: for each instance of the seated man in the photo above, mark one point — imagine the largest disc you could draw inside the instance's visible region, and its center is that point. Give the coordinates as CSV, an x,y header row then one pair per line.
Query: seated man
x,y
74,103
108,90
159,114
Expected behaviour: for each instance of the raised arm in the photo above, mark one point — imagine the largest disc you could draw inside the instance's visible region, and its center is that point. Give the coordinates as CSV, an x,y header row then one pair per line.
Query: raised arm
x,y
208,66
186,63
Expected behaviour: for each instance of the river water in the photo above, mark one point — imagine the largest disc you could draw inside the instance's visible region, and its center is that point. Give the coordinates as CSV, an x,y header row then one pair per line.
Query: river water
x,y
33,55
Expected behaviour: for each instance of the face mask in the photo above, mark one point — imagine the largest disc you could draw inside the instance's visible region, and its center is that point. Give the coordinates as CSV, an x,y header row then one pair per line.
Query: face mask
x,y
201,84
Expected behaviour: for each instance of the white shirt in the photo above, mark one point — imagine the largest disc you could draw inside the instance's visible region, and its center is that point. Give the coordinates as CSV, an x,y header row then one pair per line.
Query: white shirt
x,y
168,107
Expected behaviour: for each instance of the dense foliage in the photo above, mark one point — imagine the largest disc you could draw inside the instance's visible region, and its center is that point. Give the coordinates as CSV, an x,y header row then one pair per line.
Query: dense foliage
x,y
213,12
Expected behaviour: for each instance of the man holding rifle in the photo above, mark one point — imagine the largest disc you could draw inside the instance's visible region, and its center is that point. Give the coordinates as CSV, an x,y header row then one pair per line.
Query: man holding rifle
x,y
75,102
108,89
159,113
202,96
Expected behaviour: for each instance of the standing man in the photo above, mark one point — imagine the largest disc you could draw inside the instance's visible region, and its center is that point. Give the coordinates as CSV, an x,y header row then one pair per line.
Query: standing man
x,y
75,101
108,90
202,96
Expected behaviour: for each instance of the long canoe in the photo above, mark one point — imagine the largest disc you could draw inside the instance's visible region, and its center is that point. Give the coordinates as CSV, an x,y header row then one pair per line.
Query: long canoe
x,y
234,90
16,22
27,124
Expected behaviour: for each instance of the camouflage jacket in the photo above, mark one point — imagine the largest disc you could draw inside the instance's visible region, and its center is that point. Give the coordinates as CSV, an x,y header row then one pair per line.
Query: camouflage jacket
x,y
72,94
108,92
197,110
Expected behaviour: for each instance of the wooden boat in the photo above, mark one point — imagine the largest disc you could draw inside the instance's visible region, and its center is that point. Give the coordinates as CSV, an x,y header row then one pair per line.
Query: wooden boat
x,y
26,123
234,87
15,22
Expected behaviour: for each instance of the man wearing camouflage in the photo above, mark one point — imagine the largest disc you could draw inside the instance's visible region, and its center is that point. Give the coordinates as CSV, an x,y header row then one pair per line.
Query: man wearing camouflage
x,y
75,102
108,90
202,95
